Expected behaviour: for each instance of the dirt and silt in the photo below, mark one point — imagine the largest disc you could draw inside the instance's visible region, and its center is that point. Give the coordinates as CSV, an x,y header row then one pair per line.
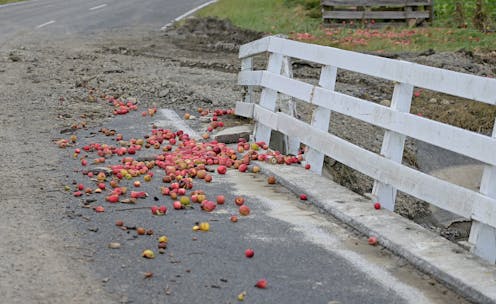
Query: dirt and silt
x,y
51,85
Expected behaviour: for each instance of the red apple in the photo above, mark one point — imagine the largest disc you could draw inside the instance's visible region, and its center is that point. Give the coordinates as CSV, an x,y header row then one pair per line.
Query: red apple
x,y
307,166
243,167
303,197
249,253
99,209
220,199
177,205
239,200
221,169
208,206
234,218
372,240
244,210
377,205
261,284
162,209
154,210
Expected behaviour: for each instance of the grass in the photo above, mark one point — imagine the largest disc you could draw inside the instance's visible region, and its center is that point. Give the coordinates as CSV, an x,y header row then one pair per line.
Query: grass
x,y
9,1
296,18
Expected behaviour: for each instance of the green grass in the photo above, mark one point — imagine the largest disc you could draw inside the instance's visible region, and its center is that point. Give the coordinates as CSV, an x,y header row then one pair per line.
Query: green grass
x,y
9,1
297,18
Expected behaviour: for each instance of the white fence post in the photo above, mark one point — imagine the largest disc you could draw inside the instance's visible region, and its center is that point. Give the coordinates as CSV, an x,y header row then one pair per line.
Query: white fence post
x,y
393,144
268,98
483,236
247,65
291,144
321,117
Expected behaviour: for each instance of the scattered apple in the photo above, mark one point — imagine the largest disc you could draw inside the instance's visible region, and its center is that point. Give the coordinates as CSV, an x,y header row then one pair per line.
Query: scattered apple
x,y
372,240
99,209
221,169
177,205
271,180
303,197
220,199
140,231
234,218
244,210
148,254
377,205
239,200
261,284
249,253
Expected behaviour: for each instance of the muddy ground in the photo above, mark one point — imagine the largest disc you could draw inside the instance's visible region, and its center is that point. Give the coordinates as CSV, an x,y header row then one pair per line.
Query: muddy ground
x,y
53,85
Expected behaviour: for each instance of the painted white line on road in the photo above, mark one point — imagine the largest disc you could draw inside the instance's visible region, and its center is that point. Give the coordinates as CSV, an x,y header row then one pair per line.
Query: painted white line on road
x,y
98,7
45,24
190,12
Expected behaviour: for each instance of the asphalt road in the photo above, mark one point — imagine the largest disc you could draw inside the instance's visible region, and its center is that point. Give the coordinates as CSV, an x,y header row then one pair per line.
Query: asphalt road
x,y
59,17
306,257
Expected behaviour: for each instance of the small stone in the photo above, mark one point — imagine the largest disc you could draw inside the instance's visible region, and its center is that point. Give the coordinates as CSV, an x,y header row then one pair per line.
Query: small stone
x,y
114,245
164,93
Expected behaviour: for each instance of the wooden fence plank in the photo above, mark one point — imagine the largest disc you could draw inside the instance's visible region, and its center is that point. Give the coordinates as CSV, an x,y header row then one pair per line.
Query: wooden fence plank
x,y
481,235
375,14
244,109
471,144
459,84
393,144
247,65
373,3
255,47
445,195
268,98
321,117
291,143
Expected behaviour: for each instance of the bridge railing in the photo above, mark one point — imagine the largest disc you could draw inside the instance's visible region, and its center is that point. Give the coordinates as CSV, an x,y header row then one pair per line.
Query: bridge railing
x,y
385,168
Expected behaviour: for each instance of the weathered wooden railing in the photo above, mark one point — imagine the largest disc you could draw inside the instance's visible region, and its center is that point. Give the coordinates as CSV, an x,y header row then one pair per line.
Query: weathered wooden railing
x,y
385,168
412,11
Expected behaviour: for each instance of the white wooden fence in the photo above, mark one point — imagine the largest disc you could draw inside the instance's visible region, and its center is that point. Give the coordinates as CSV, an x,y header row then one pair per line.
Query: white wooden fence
x,y
385,168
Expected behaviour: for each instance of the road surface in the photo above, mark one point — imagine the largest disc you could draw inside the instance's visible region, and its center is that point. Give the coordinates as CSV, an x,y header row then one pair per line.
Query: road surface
x,y
59,17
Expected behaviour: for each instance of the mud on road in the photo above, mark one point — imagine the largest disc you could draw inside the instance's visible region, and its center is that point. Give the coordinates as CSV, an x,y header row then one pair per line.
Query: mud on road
x,y
49,85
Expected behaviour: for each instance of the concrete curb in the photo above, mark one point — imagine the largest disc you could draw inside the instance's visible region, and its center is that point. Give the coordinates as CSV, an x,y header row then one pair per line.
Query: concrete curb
x,y
449,263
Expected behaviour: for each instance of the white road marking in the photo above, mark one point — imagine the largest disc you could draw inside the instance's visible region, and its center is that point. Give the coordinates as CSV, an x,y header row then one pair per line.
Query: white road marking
x,y
98,7
45,24
190,12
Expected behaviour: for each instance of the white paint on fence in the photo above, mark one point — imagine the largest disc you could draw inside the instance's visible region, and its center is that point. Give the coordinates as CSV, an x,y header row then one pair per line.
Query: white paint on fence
x,y
385,168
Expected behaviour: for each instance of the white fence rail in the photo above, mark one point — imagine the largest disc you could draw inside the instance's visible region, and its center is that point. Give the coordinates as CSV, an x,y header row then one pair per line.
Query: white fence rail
x,y
386,167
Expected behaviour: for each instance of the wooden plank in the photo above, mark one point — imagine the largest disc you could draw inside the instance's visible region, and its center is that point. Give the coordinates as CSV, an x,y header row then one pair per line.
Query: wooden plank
x,y
247,65
471,144
481,235
244,109
268,98
291,143
374,3
250,78
375,14
445,195
321,117
459,84
393,144
255,47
